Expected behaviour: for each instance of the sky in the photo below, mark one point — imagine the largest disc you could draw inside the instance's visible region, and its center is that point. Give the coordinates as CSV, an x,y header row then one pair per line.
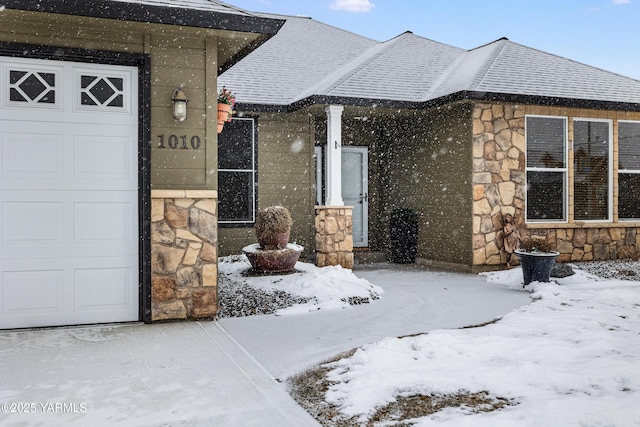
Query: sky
x,y
600,33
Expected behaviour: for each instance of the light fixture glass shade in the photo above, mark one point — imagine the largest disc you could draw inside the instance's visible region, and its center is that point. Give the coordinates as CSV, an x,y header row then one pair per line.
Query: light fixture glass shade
x,y
179,100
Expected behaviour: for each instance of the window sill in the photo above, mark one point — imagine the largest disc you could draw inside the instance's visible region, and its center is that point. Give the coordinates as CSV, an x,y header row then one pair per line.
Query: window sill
x,y
582,224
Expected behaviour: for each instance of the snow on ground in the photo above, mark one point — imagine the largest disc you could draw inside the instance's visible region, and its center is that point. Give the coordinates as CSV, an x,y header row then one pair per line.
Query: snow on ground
x,y
565,354
569,358
308,288
415,300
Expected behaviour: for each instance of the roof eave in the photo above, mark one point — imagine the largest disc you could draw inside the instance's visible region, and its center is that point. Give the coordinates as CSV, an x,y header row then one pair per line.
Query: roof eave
x,y
553,101
138,12
444,100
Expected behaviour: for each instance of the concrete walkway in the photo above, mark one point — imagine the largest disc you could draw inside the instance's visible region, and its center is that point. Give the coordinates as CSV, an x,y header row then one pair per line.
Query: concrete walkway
x,y
213,373
176,374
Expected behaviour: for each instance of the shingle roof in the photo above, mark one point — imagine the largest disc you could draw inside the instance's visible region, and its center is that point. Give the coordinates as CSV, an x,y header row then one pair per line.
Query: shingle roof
x,y
392,70
309,60
522,70
306,52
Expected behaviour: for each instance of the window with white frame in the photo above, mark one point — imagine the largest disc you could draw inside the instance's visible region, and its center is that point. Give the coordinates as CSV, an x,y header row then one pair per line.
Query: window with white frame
x,y
591,171
237,174
546,168
628,170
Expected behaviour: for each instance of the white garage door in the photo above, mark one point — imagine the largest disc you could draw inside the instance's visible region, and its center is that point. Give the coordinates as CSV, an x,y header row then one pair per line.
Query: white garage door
x,y
69,193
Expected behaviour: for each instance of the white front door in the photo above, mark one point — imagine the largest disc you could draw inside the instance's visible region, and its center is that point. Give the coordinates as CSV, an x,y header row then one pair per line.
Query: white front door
x,y
355,188
68,193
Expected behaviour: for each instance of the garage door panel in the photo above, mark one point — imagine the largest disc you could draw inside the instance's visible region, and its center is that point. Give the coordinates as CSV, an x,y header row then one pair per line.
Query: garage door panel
x,y
32,223
45,288
104,224
104,289
96,158
71,291
32,155
104,158
66,92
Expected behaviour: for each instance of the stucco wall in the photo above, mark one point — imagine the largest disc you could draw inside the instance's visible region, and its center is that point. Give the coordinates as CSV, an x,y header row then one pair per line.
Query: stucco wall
x,y
286,177
426,165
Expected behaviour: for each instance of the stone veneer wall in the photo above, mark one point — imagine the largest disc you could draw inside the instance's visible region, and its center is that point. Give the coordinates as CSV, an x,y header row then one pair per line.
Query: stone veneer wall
x,y
591,244
334,239
184,258
499,188
498,177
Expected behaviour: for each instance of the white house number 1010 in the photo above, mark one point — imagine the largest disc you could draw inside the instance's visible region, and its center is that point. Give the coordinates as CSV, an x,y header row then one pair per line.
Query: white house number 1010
x,y
175,141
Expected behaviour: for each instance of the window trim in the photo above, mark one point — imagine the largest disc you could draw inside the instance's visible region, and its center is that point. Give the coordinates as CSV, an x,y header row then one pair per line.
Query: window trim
x,y
626,171
610,174
565,170
254,173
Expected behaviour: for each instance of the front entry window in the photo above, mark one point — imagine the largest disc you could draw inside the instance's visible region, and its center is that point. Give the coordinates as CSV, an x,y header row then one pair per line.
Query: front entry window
x,y
237,173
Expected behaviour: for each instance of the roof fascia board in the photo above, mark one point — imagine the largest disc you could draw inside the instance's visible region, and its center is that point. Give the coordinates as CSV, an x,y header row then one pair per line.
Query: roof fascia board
x,y
553,101
444,100
138,12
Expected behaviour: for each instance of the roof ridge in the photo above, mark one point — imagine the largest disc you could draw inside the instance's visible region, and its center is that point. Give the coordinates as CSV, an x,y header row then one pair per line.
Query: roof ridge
x,y
236,8
349,69
466,80
488,64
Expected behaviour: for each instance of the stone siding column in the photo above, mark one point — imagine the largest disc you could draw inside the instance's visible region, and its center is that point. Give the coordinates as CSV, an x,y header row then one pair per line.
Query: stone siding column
x,y
498,177
334,239
184,255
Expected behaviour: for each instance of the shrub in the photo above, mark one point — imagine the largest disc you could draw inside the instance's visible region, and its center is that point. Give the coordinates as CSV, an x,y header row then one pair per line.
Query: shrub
x,y
536,245
629,252
272,221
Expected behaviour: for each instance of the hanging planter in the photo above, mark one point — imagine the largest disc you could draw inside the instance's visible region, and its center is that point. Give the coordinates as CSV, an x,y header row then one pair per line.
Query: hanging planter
x,y
224,115
226,101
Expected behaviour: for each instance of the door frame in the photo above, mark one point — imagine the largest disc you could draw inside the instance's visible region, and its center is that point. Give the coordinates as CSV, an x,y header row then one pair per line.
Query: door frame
x,y
364,196
143,63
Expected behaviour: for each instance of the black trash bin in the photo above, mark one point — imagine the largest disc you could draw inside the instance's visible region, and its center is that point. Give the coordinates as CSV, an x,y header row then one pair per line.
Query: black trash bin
x,y
403,230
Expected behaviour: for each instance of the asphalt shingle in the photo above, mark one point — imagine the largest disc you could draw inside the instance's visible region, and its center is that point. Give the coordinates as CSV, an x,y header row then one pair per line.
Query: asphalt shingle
x,y
307,58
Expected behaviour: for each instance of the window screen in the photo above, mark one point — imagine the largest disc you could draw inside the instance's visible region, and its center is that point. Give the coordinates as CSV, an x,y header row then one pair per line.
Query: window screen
x,y
546,168
591,145
629,170
237,172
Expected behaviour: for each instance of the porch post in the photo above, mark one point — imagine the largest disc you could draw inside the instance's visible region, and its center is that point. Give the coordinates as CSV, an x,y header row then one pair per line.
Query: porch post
x,y
333,196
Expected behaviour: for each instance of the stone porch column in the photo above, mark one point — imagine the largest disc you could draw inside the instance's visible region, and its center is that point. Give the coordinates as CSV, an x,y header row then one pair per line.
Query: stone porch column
x,y
334,239
184,256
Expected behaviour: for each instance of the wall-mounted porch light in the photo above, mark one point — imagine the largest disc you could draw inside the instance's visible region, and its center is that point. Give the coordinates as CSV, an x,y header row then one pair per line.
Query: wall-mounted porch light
x,y
179,100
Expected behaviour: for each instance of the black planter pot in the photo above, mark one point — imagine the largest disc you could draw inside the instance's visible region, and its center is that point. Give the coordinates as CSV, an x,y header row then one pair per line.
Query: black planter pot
x,y
403,230
536,266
